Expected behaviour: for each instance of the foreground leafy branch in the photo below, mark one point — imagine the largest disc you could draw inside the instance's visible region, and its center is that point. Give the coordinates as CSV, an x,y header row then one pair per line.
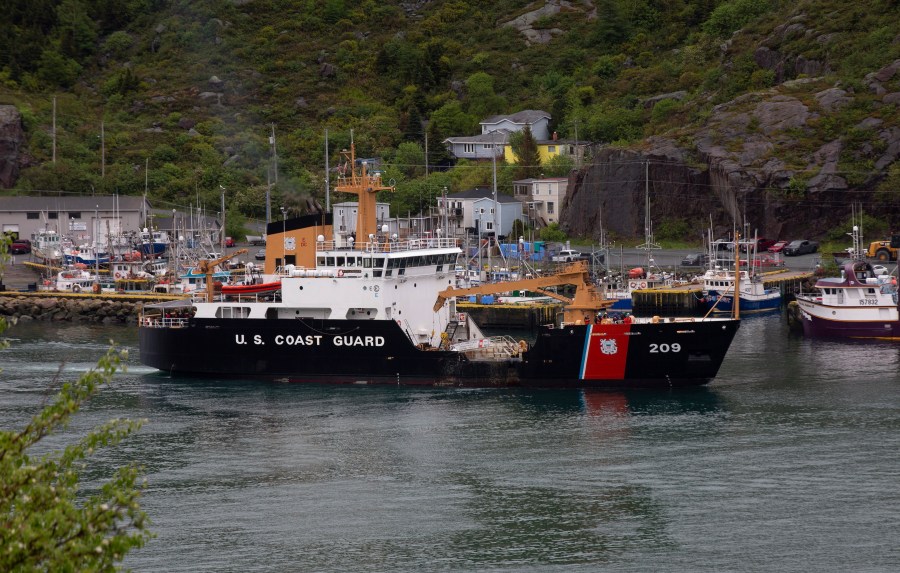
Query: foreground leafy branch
x,y
45,524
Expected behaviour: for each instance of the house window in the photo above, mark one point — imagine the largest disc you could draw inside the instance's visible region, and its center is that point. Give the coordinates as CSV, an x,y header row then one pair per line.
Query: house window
x,y
75,214
549,207
492,210
489,226
481,211
468,148
31,215
487,146
551,149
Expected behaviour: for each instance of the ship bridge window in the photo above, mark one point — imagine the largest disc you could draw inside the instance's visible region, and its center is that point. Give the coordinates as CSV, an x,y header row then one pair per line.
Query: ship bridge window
x,y
329,261
340,261
232,312
320,261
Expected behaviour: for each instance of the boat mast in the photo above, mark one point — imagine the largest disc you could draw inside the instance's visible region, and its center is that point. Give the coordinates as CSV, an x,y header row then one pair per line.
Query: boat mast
x,y
737,276
365,186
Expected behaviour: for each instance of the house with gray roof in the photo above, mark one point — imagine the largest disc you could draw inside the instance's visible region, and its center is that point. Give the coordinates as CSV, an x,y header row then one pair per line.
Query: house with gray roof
x,y
476,211
494,136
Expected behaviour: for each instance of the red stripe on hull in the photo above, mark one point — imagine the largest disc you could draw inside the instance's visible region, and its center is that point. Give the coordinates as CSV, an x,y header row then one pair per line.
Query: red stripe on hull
x,y
607,352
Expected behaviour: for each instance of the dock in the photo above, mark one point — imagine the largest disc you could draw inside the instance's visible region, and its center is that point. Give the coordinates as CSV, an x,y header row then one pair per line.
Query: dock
x,y
685,300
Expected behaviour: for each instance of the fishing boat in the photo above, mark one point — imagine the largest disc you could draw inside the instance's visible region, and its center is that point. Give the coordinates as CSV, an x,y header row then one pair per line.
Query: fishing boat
x,y
383,310
85,255
857,304
46,246
719,280
71,280
718,291
153,244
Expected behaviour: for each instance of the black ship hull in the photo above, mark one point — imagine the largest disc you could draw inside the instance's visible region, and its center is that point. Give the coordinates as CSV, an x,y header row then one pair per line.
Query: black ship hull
x,y
665,354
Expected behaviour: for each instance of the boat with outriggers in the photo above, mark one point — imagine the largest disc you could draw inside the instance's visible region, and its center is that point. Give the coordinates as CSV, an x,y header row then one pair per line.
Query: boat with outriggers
x,y
383,311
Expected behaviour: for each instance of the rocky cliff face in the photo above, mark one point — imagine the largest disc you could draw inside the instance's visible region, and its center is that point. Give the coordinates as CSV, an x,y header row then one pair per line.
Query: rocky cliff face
x,y
749,163
12,138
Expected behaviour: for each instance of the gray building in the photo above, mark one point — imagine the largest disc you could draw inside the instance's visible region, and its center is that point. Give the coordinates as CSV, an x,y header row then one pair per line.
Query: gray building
x,y
83,218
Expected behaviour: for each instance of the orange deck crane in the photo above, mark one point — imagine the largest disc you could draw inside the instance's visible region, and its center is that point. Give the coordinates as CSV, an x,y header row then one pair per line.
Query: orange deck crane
x,y
207,267
584,306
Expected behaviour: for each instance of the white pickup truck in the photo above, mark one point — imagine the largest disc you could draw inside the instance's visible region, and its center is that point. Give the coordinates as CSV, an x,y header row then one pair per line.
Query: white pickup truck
x,y
567,256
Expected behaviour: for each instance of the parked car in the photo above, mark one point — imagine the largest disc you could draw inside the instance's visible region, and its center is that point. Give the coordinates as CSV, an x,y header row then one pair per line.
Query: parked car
x,y
879,270
260,255
801,247
567,256
723,245
777,247
229,242
761,244
20,247
695,260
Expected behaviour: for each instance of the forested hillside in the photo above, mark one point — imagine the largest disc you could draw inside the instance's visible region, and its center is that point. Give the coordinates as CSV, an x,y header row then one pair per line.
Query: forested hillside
x,y
188,92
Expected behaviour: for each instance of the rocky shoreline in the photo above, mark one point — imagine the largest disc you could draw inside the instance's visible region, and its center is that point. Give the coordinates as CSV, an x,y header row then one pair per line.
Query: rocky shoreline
x,y
26,308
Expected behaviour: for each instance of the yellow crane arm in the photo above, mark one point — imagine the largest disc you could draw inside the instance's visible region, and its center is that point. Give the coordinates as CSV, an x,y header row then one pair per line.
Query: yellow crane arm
x,y
207,267
586,302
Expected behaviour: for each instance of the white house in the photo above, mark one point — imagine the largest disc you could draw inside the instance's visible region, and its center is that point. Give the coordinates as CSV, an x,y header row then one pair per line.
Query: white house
x,y
475,211
542,198
345,216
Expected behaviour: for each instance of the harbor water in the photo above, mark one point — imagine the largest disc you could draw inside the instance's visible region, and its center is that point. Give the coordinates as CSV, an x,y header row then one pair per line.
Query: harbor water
x,y
788,461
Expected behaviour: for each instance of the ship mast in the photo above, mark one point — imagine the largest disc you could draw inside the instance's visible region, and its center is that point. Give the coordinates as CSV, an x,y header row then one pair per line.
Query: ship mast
x,y
365,186
737,276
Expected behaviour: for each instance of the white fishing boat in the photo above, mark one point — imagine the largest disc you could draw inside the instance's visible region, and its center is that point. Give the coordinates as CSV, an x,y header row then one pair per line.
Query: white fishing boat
x,y
46,245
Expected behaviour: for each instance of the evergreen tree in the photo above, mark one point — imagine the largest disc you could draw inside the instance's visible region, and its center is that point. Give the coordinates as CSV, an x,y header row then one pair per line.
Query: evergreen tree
x,y
528,159
439,156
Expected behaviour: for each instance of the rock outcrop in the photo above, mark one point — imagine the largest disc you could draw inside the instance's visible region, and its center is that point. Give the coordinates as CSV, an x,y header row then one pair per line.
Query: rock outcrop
x,y
746,165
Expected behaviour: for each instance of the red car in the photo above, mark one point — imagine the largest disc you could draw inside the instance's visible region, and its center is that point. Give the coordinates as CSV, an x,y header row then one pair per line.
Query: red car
x,y
777,247
229,242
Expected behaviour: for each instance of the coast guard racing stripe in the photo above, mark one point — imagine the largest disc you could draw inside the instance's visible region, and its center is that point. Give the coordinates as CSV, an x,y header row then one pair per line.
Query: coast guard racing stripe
x,y
605,352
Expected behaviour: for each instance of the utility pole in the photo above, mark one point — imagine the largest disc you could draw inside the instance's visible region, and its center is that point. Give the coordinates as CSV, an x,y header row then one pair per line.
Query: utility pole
x,y
496,216
54,129
222,234
274,155
327,177
102,151
577,151
446,214
426,150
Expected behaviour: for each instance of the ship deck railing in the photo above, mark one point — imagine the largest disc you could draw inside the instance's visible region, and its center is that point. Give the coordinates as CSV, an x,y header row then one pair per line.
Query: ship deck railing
x,y
490,348
158,321
389,245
